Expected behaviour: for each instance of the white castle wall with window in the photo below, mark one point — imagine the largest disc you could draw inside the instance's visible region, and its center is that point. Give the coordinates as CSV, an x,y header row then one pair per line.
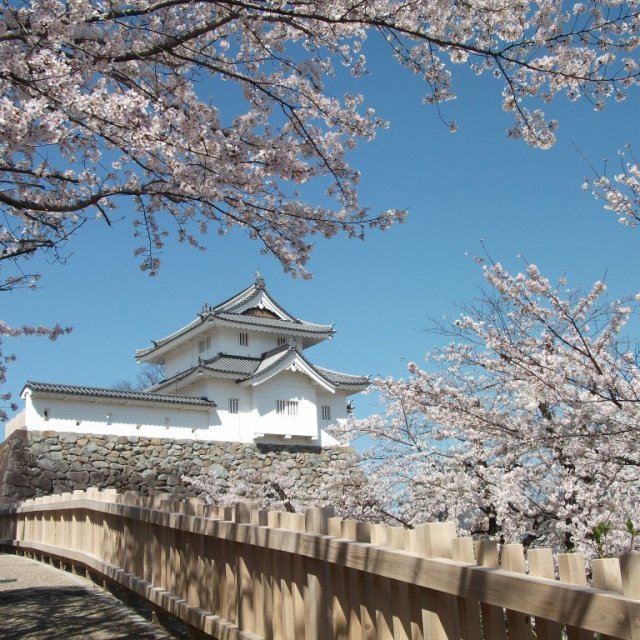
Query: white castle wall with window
x,y
238,372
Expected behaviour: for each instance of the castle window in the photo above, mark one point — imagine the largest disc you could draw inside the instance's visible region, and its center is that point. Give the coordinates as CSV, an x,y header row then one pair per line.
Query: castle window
x,y
234,405
204,344
287,407
326,412
243,339
281,341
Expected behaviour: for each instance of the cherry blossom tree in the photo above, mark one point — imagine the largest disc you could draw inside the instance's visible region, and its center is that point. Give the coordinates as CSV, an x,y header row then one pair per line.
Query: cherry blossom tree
x,y
621,195
525,426
107,102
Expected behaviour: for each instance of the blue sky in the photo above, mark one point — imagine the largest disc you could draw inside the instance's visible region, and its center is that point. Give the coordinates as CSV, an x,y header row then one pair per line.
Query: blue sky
x,y
461,190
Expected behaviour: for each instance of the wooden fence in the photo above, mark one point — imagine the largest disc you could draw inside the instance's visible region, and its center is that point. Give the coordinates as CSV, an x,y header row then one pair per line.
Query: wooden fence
x,y
236,572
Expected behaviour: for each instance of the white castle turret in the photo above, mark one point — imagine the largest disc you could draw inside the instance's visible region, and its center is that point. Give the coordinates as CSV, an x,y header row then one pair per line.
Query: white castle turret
x,y
237,373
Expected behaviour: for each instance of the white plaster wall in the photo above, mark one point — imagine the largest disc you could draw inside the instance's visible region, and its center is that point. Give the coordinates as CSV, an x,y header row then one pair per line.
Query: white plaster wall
x,y
257,407
221,391
85,416
113,418
338,406
226,341
178,360
223,339
287,386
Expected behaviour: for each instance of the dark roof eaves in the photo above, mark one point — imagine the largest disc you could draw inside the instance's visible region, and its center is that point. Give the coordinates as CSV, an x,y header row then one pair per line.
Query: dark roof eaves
x,y
115,394
356,381
314,368
156,344
172,379
298,326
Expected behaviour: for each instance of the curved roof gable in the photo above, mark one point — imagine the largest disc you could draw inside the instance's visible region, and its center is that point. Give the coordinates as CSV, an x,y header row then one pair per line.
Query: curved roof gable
x,y
252,308
254,297
286,358
255,371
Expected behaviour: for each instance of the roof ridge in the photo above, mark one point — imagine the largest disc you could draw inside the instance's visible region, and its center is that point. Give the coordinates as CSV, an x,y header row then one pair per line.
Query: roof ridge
x,y
285,346
199,319
237,295
296,324
224,312
357,379
313,367
173,378
222,354
277,361
86,390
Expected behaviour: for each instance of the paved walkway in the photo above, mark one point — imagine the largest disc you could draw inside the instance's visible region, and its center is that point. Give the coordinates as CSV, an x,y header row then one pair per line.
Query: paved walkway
x,y
39,602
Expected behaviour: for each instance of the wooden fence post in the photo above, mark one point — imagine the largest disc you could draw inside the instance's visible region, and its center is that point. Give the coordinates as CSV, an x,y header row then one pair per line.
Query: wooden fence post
x,y
630,574
340,577
468,608
401,609
378,588
512,559
606,576
492,617
541,566
262,596
317,593
571,569
440,615
360,622
273,520
245,571
297,577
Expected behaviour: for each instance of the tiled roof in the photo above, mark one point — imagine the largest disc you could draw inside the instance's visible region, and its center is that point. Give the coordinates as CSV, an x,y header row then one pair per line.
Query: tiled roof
x,y
338,379
117,394
176,334
169,381
232,364
224,312
252,293
244,368
274,323
271,359
238,366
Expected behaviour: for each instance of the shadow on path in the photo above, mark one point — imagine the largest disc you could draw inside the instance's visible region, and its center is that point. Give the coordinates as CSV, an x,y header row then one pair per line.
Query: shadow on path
x,y
73,613
39,602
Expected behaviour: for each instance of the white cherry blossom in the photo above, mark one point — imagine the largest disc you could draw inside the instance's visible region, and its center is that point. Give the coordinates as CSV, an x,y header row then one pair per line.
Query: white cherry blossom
x,y
106,101
524,427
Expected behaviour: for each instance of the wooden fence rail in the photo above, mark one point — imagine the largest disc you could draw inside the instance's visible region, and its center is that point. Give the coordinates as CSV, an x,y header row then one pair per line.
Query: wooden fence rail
x,y
237,572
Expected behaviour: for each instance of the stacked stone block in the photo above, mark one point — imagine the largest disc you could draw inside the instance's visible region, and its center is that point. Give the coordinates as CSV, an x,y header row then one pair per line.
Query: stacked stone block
x,y
34,463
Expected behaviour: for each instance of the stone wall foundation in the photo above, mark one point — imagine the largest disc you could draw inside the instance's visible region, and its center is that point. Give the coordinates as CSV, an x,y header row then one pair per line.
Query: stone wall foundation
x,y
36,463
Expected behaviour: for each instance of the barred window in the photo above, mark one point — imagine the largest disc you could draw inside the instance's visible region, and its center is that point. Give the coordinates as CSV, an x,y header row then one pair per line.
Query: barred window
x,y
281,341
326,412
204,344
287,407
234,405
243,339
